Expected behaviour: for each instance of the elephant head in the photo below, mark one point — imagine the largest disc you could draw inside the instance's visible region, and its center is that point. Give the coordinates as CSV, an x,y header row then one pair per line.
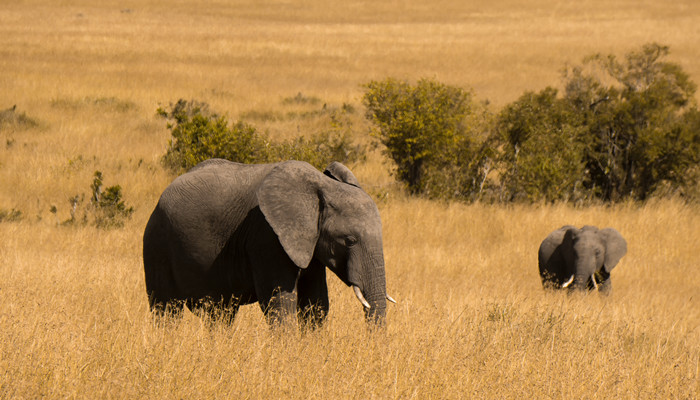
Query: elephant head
x,y
328,218
581,258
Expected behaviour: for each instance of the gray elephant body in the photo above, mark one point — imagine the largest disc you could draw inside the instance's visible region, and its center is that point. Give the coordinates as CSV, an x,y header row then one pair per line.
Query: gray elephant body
x,y
580,258
235,234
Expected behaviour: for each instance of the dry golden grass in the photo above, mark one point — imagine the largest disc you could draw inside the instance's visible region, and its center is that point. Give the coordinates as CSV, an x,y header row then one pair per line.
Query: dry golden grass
x,y
472,320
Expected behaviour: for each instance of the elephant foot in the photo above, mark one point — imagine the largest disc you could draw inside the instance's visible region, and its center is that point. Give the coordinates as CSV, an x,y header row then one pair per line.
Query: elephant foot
x,y
214,311
312,316
166,309
281,309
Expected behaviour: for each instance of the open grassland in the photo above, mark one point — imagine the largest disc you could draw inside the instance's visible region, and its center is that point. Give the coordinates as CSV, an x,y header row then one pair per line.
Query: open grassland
x,y
472,320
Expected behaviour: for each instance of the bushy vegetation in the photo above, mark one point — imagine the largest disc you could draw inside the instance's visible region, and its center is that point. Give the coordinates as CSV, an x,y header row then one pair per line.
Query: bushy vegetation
x,y
106,208
10,215
11,119
427,131
199,134
620,130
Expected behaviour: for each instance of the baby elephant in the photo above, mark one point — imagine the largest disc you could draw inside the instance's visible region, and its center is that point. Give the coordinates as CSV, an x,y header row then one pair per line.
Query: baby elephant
x,y
580,258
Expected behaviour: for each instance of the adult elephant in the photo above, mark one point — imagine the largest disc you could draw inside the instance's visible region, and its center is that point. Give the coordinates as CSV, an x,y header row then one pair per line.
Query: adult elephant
x,y
580,258
230,234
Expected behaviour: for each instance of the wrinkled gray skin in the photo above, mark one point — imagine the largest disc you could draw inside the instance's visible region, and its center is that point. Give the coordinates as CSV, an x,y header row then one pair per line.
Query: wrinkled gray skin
x,y
230,234
580,259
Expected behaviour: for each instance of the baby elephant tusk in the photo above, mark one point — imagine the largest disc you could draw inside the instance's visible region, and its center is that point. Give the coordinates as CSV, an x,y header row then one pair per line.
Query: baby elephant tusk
x,y
390,299
358,294
595,284
567,283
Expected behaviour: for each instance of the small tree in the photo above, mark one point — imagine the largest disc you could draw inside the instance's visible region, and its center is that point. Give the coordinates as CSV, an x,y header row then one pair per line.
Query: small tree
x,y
108,207
540,152
105,210
421,125
641,129
621,130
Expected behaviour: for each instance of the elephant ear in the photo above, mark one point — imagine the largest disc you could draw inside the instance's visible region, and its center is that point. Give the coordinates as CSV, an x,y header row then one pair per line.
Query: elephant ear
x,y
341,173
290,201
567,243
615,247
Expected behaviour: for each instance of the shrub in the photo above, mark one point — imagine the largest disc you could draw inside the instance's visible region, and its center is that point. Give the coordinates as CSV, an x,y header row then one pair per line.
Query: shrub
x,y
423,129
11,119
621,130
640,131
108,207
540,155
198,135
105,210
10,216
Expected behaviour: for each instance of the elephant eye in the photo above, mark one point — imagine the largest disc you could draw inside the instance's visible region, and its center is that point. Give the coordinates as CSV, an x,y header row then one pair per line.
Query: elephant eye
x,y
350,241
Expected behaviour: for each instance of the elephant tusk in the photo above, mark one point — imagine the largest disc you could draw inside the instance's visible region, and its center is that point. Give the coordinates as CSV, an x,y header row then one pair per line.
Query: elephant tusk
x,y
358,294
567,283
595,284
390,299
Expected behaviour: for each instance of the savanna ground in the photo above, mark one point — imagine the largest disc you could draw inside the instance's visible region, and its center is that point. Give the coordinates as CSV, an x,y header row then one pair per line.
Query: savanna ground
x,y
472,320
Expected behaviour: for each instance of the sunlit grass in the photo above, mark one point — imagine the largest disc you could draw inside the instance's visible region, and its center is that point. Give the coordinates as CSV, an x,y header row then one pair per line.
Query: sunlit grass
x,y
472,320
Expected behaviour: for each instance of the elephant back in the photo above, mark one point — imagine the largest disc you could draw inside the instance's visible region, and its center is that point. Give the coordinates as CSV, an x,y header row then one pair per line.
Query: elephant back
x,y
210,201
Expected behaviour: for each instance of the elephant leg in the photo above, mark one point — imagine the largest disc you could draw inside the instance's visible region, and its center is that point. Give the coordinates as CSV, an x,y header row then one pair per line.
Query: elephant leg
x,y
605,284
165,308
223,310
273,273
280,307
162,297
275,287
605,287
312,293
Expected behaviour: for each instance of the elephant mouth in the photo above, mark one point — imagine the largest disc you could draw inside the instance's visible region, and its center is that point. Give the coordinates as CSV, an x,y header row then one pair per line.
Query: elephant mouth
x,y
596,278
342,276
357,290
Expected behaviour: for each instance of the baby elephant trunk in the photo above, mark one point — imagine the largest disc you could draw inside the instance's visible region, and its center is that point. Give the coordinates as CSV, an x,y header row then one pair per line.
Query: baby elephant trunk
x,y
584,276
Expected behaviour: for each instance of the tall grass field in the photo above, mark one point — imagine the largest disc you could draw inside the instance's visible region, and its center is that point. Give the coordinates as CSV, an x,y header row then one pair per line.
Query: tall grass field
x,y
472,320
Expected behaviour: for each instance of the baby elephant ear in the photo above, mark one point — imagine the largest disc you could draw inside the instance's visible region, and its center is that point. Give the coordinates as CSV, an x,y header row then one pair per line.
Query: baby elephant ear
x,y
341,173
615,247
290,201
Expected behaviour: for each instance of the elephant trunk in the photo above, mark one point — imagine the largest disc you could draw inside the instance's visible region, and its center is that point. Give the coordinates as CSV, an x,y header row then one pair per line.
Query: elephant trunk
x,y
366,273
583,272
376,297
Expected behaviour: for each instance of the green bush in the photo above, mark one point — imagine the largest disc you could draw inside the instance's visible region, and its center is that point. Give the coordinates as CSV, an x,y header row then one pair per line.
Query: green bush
x,y
105,210
622,129
108,207
199,134
540,153
641,132
423,128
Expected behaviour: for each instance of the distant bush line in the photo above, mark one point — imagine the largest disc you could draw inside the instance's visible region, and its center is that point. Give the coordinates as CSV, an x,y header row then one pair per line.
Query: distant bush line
x,y
199,134
619,129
